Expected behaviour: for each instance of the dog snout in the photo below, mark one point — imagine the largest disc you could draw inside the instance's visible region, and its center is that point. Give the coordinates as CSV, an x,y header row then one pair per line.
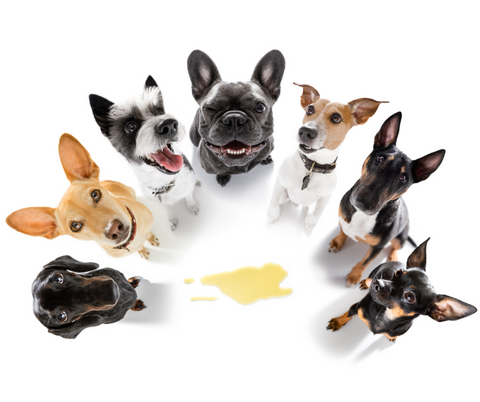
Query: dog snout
x,y
307,133
381,286
167,128
234,119
115,231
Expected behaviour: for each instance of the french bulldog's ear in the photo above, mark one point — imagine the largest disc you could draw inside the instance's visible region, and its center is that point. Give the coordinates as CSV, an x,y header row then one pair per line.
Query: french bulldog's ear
x,y
388,132
309,95
76,161
150,83
101,110
364,108
71,331
35,221
71,264
269,73
446,308
203,73
424,167
418,258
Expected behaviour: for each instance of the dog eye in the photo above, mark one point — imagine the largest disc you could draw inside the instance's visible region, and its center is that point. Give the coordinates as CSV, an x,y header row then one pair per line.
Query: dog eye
x,y
96,195
335,118
410,297
130,127
398,273
310,109
402,178
261,108
58,278
62,317
75,226
380,159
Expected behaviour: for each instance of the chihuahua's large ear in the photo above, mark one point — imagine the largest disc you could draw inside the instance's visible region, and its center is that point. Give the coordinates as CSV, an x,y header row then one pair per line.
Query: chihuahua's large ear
x,y
35,221
71,331
418,258
364,108
446,308
388,132
309,95
424,167
269,73
203,73
67,262
101,111
76,160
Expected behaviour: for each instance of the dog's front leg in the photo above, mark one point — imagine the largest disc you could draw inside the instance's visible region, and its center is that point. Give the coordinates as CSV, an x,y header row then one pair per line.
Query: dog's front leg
x,y
192,205
312,218
171,216
275,209
356,273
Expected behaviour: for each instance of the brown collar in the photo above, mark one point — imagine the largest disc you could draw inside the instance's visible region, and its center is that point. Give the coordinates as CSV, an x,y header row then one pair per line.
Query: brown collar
x,y
314,167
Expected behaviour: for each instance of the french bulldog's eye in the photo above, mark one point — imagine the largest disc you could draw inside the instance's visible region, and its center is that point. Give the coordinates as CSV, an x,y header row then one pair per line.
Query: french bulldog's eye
x,y
130,127
76,226
410,297
335,118
261,108
310,109
402,178
58,278
62,317
96,195
380,159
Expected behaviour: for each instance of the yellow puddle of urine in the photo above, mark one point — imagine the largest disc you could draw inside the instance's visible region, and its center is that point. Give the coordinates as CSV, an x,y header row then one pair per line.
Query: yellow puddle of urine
x,y
199,298
188,281
248,285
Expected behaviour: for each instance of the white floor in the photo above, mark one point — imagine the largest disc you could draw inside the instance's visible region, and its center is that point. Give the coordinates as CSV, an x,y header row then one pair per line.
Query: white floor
x,y
422,57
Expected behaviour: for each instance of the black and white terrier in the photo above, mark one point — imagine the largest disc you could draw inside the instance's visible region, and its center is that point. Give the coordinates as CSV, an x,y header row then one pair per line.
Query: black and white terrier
x,y
145,135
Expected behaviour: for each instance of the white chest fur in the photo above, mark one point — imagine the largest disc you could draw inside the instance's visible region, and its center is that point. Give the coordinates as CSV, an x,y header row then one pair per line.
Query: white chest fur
x,y
360,225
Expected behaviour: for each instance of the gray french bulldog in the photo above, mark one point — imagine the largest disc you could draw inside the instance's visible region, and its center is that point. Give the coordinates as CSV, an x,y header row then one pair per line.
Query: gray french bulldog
x,y
233,126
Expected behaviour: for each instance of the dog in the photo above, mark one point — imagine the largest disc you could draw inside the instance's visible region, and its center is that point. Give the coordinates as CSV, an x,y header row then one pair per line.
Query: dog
x,y
146,136
308,176
373,211
397,294
104,211
233,126
69,296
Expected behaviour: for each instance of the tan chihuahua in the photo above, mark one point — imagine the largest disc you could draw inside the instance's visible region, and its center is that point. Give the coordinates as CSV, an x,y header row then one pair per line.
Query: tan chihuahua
x,y
104,211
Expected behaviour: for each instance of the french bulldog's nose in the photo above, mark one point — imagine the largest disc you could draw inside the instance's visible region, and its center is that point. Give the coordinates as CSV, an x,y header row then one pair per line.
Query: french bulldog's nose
x,y
168,127
234,119
307,133
115,231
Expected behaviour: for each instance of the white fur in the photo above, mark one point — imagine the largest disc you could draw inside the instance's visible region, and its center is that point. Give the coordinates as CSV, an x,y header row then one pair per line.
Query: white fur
x,y
360,225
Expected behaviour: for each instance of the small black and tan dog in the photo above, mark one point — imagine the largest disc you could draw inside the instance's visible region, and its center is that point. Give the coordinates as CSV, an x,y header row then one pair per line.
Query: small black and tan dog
x,y
373,210
398,294
67,303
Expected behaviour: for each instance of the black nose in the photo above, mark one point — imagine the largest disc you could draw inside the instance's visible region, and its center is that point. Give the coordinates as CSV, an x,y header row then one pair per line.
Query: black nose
x,y
234,119
168,127
381,286
307,133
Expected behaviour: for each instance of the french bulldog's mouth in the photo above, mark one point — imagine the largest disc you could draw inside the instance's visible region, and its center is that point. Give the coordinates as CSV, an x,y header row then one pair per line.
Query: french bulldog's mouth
x,y
308,150
131,236
236,149
165,160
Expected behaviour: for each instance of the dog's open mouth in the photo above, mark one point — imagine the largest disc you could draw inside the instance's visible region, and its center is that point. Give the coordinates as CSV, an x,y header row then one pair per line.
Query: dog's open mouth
x,y
308,150
165,160
131,236
236,149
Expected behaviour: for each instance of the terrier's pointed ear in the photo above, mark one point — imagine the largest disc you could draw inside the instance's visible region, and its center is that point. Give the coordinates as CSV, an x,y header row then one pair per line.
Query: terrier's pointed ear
x,y
308,96
364,108
150,83
418,258
446,308
203,73
101,111
388,132
424,167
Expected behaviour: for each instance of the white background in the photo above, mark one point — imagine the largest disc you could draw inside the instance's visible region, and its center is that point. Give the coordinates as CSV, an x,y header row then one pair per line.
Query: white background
x,y
420,56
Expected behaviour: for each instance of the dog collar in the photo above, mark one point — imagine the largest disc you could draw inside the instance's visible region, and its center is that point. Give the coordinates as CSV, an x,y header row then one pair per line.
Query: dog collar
x,y
314,167
163,190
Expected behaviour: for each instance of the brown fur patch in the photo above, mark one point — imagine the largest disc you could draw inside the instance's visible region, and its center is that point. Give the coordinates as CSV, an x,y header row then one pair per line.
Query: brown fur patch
x,y
362,317
336,323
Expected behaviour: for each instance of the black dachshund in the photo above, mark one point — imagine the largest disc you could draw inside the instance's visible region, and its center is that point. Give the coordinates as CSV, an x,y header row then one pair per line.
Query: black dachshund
x,y
67,303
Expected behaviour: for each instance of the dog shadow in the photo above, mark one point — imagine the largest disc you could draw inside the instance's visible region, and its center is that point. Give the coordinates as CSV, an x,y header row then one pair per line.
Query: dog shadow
x,y
157,298
338,265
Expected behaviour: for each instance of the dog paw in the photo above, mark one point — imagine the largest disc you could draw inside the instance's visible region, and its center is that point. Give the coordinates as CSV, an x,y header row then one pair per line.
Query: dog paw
x,y
193,208
273,214
173,224
365,284
198,183
134,281
335,245
223,179
153,240
310,222
138,306
335,324
267,160
144,253
353,278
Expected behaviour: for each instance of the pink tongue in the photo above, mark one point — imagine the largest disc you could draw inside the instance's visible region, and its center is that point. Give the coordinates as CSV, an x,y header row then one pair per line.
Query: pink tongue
x,y
168,160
